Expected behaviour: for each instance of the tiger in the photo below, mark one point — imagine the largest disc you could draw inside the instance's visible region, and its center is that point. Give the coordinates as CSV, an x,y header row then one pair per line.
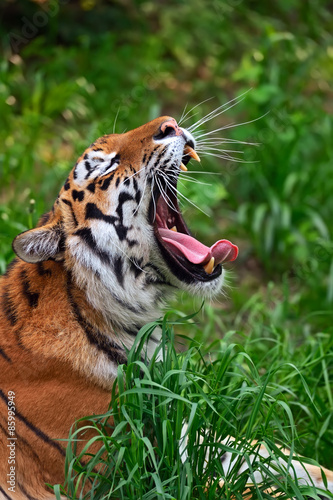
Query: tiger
x,y
96,268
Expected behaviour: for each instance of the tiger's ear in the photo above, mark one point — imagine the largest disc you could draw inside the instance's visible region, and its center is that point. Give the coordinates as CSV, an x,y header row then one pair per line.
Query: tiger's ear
x,y
43,243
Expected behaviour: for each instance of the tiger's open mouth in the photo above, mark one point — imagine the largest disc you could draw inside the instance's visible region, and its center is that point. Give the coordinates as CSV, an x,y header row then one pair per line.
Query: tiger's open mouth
x,y
189,259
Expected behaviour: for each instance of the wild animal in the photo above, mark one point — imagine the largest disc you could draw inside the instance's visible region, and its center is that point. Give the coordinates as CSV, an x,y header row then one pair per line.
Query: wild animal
x,y
99,266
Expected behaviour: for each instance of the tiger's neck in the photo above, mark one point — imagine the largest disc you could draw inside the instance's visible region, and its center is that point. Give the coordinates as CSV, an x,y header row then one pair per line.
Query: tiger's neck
x,y
56,314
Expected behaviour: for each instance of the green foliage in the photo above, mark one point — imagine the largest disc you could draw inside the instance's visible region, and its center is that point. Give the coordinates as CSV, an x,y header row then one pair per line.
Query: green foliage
x,y
96,66
219,391
70,80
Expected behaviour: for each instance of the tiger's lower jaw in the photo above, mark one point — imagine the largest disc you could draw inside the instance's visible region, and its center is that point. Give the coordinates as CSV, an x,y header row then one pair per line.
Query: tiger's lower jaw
x,y
203,289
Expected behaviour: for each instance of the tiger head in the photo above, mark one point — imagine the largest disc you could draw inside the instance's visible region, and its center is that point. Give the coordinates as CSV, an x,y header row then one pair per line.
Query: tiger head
x,y
117,227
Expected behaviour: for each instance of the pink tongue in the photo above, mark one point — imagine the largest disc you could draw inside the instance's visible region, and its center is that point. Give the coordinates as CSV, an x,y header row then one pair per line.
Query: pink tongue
x,y
196,252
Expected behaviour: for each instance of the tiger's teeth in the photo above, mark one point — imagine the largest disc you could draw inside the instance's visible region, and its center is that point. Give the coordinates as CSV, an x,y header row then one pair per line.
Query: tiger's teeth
x,y
190,152
210,266
183,168
174,229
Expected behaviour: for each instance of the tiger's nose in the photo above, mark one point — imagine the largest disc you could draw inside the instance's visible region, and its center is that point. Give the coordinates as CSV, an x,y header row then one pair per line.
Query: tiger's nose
x,y
170,128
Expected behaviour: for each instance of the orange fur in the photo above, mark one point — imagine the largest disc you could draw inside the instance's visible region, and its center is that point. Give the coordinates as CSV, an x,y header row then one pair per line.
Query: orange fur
x,y
46,355
53,331
50,393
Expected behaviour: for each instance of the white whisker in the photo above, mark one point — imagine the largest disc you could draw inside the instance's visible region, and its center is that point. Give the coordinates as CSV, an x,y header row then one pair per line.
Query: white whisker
x,y
195,181
210,148
232,125
191,202
222,140
135,173
127,256
115,120
163,193
177,192
188,178
227,157
218,111
200,172
183,117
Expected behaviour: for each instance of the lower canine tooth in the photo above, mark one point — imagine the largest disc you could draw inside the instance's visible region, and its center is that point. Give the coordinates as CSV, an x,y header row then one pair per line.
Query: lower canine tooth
x,y
210,266
174,229
183,168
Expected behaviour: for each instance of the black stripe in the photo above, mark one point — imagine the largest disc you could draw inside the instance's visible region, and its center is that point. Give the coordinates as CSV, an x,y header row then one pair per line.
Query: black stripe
x,y
121,231
132,243
87,236
158,159
41,269
67,202
8,307
91,187
5,494
93,212
44,437
159,280
4,355
118,269
113,351
133,331
21,439
114,160
135,266
106,182
32,297
122,198
2,427
88,166
149,158
44,218
25,493
10,266
137,192
77,195
32,452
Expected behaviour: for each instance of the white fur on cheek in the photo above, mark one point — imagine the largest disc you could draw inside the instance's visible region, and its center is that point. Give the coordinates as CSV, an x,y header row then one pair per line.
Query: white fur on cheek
x,y
94,164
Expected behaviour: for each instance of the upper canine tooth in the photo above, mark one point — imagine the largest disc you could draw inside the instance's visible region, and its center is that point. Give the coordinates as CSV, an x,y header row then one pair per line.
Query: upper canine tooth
x,y
174,228
210,266
190,152
183,168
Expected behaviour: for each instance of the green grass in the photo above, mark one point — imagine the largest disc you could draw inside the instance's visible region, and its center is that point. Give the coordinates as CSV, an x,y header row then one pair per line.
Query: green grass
x,y
65,87
220,391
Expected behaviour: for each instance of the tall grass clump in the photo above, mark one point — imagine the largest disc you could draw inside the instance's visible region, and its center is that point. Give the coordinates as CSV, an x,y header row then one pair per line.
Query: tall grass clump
x,y
142,449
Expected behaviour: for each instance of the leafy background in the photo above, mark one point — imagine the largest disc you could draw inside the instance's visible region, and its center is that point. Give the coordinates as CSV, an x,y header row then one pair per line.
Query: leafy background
x,y
70,67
